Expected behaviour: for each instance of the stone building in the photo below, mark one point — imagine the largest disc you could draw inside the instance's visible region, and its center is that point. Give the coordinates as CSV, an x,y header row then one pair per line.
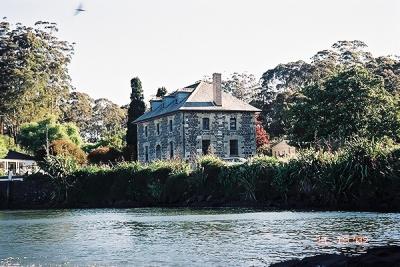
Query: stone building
x,y
197,120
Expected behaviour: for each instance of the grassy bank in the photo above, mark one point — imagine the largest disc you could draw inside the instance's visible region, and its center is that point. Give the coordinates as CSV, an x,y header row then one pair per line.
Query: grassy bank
x,y
364,175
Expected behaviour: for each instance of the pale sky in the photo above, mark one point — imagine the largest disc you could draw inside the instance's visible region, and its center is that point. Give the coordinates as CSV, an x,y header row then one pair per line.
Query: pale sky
x,y
174,43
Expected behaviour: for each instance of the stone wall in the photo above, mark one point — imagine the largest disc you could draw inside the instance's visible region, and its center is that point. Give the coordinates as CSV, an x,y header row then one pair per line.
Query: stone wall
x,y
163,140
219,133
190,147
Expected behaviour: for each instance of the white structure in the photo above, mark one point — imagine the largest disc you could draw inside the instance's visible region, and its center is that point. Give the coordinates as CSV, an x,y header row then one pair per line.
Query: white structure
x,y
18,163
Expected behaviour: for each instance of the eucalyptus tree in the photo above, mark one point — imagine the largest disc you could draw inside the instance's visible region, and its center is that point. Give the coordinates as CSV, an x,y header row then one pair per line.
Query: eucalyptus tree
x,y
78,108
107,118
33,72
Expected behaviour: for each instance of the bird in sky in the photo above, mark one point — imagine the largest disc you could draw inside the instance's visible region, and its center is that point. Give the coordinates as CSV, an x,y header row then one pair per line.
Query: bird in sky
x,y
79,9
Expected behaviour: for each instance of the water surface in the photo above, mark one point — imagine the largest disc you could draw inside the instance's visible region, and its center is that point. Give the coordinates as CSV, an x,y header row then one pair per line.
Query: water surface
x,y
182,237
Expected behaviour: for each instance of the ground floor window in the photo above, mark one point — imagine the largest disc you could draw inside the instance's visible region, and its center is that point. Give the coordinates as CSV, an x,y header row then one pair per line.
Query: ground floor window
x,y
146,153
233,148
158,152
171,150
205,146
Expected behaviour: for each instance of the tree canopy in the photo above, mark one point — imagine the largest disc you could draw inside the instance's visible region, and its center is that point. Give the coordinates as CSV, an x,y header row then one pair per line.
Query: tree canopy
x,y
33,135
279,83
33,72
3,147
351,102
243,86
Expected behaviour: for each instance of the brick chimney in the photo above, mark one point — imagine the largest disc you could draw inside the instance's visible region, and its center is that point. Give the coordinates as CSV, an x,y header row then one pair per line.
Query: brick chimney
x,y
217,87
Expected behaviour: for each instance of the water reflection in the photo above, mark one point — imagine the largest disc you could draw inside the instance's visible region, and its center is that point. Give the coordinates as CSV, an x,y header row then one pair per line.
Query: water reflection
x,y
182,237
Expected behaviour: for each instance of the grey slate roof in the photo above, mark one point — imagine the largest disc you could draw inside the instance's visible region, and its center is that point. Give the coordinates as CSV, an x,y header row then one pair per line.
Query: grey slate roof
x,y
199,98
14,155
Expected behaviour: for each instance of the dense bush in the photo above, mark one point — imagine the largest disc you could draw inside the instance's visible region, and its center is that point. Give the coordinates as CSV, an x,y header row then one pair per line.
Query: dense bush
x,y
362,175
105,155
66,148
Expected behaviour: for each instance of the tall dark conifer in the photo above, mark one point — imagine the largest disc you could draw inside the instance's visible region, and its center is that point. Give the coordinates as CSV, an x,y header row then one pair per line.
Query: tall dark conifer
x,y
136,108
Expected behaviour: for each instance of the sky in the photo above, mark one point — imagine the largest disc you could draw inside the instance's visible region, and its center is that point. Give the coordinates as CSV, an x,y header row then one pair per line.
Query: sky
x,y
174,43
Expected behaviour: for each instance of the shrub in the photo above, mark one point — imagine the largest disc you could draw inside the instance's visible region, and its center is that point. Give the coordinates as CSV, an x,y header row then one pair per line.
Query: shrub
x,y
104,155
208,170
60,169
66,148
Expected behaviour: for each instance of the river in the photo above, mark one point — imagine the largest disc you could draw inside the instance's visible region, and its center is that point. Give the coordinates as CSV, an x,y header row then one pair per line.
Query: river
x,y
183,237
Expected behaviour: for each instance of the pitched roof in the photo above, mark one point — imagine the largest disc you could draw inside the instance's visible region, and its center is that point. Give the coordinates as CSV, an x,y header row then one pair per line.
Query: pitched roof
x,y
18,156
199,98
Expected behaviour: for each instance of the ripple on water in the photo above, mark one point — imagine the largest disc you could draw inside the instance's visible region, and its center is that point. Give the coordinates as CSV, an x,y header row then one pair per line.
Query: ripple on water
x,y
182,237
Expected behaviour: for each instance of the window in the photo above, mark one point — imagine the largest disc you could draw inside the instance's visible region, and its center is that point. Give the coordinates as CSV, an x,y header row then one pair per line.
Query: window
x,y
158,152
233,148
170,125
171,150
206,124
205,145
158,129
146,153
232,123
146,132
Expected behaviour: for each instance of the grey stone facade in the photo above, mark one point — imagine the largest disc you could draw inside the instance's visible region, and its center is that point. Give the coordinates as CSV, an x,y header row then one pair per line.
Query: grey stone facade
x,y
164,139
197,120
187,135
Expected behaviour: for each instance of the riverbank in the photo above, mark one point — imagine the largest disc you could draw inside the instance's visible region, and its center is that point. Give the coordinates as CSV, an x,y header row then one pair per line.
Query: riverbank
x,y
380,256
364,176
39,194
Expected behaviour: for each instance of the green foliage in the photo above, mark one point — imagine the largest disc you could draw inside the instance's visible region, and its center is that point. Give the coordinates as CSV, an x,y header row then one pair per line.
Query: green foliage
x,y
363,174
33,135
281,83
33,72
3,147
351,102
108,119
77,108
60,169
97,120
116,141
210,162
137,108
